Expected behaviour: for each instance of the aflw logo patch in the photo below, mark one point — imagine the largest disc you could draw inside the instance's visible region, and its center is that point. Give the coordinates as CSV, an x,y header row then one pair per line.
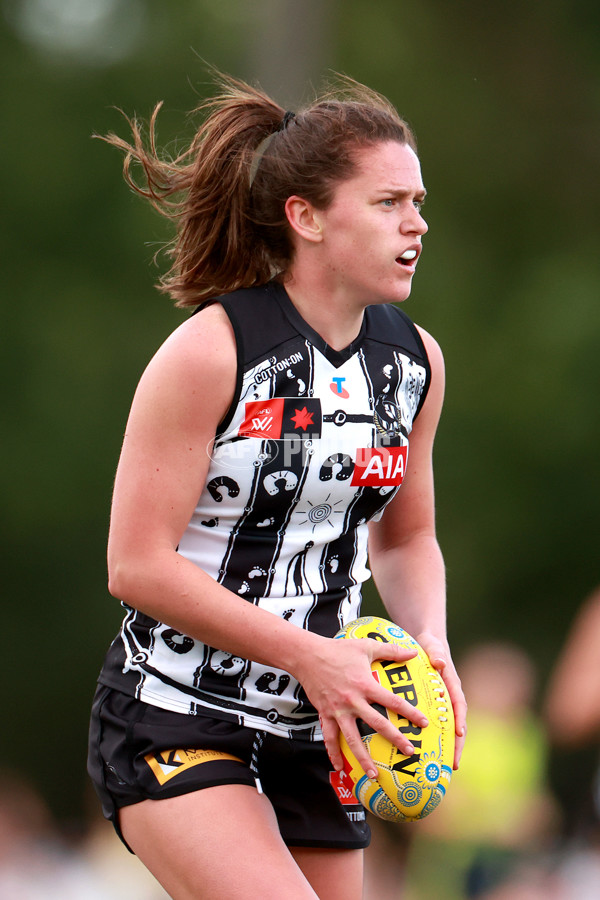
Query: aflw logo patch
x,y
380,466
342,785
282,418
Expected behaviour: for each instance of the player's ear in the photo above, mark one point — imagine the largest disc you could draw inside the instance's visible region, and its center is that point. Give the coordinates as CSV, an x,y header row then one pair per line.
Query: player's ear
x,y
304,219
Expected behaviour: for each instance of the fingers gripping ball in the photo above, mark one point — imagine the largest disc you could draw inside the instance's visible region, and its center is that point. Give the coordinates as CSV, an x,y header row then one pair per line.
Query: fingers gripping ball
x,y
408,787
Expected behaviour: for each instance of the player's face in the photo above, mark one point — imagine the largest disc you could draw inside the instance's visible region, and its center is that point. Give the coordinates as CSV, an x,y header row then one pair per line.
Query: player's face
x,y
373,228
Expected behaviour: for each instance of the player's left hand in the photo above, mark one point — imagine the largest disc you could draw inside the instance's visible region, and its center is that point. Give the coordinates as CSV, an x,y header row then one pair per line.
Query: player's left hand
x,y
440,657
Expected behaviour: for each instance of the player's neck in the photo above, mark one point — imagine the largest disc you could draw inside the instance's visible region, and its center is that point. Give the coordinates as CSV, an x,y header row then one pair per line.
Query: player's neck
x,y
327,311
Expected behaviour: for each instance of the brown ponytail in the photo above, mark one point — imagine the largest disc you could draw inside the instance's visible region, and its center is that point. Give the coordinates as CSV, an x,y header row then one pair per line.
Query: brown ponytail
x,y
227,191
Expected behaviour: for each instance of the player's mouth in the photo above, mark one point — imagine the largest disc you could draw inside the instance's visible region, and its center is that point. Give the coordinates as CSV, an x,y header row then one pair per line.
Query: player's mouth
x,y
409,258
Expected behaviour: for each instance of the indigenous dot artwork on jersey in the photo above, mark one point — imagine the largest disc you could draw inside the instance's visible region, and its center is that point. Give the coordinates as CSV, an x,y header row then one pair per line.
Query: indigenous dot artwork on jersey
x,y
315,445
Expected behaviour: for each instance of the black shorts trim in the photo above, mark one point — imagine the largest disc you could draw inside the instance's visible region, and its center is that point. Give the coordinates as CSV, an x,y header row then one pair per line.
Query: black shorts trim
x,y
139,752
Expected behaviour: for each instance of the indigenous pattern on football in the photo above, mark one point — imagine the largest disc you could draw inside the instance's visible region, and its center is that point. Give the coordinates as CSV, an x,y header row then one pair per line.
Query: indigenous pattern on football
x,y
407,787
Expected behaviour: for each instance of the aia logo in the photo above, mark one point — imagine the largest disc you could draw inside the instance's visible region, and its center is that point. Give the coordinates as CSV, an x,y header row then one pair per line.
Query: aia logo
x,y
338,389
342,785
380,466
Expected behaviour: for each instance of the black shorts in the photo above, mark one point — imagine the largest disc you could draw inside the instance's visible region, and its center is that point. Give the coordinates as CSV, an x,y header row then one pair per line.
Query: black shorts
x,y
140,752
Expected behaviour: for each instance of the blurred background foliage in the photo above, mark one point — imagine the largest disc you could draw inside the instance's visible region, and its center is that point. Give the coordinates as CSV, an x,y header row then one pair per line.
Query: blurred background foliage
x,y
505,100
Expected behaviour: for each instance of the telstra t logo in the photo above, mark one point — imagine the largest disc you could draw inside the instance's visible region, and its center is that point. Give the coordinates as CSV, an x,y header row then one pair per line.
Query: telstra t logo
x,y
336,387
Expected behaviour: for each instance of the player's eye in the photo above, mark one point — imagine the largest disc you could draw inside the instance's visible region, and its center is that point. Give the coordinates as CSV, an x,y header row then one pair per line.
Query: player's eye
x,y
388,202
418,205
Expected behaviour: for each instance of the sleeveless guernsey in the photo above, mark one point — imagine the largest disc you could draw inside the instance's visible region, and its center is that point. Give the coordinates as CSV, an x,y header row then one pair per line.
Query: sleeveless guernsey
x,y
315,445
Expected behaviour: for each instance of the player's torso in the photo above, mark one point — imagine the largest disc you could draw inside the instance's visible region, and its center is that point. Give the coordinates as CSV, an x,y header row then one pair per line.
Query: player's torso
x,y
315,445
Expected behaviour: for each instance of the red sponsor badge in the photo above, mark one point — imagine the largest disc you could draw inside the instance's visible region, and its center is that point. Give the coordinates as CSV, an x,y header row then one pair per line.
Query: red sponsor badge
x,y
263,419
380,466
282,418
342,785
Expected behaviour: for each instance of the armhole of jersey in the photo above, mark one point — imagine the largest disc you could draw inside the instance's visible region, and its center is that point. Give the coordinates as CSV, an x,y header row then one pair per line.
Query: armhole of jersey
x,y
415,331
223,424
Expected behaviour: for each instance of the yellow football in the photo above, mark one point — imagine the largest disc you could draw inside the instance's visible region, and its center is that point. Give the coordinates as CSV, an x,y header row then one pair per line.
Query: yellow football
x,y
407,787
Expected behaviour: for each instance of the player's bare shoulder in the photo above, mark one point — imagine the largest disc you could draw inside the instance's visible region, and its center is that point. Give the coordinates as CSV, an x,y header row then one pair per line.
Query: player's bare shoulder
x,y
435,397
434,351
194,371
205,342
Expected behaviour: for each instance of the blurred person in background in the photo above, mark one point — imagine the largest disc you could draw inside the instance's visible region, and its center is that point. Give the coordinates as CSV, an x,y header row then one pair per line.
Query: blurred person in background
x,y
572,712
30,847
499,818
267,440
37,862
115,873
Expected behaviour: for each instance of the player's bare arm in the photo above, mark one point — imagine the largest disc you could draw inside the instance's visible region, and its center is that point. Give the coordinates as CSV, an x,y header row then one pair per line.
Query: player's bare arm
x,y
404,553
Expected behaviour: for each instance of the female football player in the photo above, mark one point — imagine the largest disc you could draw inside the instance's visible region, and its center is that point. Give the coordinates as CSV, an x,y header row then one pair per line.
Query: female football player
x,y
266,451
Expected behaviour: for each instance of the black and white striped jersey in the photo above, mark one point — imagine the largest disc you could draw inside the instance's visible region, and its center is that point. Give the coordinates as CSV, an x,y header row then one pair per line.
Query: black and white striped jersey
x,y
314,446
